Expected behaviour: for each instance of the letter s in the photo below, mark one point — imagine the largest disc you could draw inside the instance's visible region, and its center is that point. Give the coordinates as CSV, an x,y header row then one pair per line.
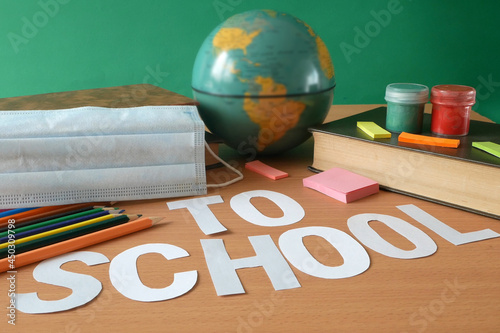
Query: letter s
x,y
85,288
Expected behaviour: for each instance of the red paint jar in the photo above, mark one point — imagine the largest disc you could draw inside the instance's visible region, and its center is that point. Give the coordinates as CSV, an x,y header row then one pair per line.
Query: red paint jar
x,y
451,106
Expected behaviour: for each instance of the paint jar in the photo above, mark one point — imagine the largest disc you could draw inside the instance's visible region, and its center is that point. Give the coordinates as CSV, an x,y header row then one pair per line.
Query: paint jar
x,y
405,107
451,106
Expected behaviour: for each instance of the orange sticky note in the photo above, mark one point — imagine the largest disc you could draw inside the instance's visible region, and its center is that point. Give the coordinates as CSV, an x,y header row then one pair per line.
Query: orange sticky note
x,y
265,170
428,140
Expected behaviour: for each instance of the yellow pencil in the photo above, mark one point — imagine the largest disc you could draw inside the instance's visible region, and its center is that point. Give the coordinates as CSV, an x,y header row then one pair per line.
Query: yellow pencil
x,y
56,231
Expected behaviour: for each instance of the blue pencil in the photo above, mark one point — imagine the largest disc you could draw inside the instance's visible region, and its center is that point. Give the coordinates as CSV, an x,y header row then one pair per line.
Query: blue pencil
x,y
58,225
15,211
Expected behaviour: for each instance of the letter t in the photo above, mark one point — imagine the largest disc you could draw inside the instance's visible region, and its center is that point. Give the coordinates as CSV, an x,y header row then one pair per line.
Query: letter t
x,y
198,207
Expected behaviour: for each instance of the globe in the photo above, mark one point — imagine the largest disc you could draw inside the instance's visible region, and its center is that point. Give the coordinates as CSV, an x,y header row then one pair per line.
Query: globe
x,y
262,78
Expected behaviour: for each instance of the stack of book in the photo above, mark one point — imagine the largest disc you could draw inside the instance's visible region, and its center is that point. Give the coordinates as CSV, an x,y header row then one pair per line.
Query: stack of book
x,y
463,177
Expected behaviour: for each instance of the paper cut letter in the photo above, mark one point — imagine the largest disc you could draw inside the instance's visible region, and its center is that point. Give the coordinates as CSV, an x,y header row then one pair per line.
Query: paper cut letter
x,y
198,207
223,269
292,210
356,259
360,227
451,235
85,288
125,278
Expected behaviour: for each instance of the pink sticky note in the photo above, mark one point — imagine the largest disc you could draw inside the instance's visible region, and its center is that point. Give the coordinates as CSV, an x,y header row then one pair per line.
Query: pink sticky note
x,y
342,185
265,170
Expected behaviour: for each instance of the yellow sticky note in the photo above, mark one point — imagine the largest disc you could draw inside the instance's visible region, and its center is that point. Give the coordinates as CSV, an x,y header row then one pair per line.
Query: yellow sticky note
x,y
489,147
373,130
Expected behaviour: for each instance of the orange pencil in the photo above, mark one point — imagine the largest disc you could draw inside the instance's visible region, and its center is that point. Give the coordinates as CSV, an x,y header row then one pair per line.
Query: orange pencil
x,y
77,243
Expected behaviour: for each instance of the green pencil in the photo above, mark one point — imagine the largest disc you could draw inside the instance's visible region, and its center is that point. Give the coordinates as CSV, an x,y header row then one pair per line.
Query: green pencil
x,y
56,220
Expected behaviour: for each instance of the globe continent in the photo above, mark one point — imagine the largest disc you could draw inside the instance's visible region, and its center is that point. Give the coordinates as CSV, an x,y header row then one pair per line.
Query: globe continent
x,y
262,78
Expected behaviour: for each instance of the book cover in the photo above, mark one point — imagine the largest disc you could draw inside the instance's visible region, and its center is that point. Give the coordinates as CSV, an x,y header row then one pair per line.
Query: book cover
x,y
479,131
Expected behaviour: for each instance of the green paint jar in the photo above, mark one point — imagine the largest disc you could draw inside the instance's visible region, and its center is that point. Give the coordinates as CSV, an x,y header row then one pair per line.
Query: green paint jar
x,y
405,107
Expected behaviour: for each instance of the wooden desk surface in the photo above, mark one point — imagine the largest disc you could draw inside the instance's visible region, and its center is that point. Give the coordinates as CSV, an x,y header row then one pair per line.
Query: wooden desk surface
x,y
457,289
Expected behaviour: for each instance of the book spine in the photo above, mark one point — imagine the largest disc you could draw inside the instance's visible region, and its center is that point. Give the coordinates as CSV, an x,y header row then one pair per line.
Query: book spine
x,y
474,187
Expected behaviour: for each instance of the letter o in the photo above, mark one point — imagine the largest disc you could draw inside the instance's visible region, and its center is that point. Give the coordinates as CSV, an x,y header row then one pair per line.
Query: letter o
x,y
266,135
359,226
356,259
255,319
40,19
372,32
437,307
292,210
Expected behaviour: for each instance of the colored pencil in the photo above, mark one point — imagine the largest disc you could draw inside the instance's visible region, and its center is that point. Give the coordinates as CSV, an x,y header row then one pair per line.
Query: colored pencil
x,y
68,234
77,243
55,216
42,214
8,212
42,210
56,220
55,231
46,226
52,217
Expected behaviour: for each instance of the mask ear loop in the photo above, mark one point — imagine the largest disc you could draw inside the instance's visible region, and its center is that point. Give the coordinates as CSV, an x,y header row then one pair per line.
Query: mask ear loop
x,y
232,181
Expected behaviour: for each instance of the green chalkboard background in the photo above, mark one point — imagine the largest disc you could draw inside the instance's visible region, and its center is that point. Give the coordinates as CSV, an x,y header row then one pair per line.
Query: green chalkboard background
x,y
60,45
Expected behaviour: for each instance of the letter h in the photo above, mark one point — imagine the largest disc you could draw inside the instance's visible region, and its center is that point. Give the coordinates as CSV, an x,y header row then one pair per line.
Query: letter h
x,y
223,269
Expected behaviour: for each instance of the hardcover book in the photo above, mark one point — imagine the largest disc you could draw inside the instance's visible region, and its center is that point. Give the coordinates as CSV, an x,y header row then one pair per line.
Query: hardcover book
x,y
463,177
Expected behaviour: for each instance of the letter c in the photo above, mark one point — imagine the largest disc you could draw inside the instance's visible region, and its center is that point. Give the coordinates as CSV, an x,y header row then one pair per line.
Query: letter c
x,y
125,278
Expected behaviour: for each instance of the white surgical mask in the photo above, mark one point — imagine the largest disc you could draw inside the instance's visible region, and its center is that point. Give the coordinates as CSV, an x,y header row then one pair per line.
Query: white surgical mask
x,y
94,154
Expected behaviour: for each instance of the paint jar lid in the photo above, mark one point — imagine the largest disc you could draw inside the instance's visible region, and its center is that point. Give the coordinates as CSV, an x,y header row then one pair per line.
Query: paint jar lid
x,y
453,94
407,93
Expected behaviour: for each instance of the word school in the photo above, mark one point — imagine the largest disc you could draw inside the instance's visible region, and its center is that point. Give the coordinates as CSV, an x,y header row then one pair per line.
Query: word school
x,y
123,270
